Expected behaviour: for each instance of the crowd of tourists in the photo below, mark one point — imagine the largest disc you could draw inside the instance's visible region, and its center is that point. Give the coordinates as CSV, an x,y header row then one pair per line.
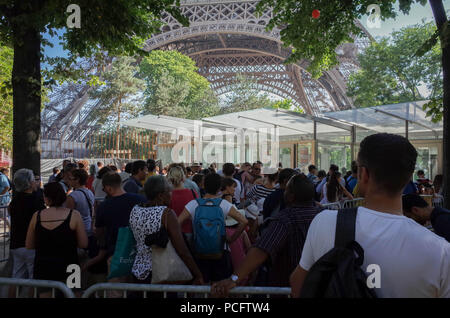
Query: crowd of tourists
x,y
244,225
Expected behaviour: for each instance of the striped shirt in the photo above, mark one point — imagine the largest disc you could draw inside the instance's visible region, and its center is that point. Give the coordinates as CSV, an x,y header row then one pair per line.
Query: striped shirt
x,y
259,191
283,240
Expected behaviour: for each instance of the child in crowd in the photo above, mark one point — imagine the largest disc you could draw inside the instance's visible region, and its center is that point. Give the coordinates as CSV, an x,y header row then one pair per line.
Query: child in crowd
x,y
227,188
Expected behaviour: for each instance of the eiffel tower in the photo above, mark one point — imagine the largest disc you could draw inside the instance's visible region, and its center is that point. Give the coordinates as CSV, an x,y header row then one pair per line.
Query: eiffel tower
x,y
225,37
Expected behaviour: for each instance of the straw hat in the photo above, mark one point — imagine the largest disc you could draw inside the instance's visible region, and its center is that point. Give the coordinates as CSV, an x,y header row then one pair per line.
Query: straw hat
x,y
230,221
252,211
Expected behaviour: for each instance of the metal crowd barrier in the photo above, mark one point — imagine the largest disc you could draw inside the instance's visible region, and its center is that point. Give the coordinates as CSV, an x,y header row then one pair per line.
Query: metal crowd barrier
x,y
438,202
344,205
183,289
35,284
4,234
332,206
353,203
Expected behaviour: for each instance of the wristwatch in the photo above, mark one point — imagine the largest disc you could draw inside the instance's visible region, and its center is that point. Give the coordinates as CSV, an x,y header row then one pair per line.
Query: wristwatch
x,y
234,278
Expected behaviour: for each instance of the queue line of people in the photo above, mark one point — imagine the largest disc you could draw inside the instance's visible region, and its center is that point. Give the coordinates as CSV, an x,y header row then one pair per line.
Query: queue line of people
x,y
271,224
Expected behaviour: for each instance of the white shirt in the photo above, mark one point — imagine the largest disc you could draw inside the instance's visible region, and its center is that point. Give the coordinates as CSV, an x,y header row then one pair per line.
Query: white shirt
x,y
97,186
192,205
414,262
237,191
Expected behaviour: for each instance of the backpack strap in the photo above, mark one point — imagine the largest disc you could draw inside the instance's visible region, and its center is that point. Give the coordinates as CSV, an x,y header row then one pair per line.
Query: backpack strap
x,y
87,199
345,227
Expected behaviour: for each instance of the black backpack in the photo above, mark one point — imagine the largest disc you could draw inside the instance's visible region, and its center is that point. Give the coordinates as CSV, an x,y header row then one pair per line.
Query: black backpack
x,y
338,273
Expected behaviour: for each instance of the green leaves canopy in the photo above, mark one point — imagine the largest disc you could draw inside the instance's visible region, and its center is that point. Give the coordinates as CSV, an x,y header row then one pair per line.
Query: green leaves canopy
x,y
120,92
174,88
117,26
317,39
391,72
6,101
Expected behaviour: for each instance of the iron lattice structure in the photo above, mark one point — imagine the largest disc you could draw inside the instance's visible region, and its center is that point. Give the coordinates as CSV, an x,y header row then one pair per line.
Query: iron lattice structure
x,y
225,37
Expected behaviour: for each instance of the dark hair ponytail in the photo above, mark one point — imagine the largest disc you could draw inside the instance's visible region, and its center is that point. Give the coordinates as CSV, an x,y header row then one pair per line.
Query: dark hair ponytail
x,y
333,188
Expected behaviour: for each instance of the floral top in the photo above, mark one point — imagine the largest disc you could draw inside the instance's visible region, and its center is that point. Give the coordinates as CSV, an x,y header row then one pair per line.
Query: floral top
x,y
144,221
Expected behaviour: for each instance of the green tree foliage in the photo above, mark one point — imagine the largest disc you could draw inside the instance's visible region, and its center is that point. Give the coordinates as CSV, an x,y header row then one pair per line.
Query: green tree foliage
x,y
317,39
174,88
119,94
288,105
6,102
391,72
119,27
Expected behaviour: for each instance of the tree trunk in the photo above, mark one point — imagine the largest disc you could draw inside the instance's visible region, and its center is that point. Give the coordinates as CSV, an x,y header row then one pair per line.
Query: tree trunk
x,y
440,17
26,83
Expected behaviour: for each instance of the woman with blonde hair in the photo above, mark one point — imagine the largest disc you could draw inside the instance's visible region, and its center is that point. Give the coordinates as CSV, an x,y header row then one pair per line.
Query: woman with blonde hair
x,y
180,197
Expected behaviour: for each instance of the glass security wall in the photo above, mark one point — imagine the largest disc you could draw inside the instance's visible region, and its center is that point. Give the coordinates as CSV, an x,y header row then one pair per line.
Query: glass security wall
x,y
304,156
285,156
332,153
427,160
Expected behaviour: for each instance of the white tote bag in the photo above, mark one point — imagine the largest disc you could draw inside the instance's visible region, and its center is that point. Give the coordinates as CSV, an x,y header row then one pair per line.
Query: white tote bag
x,y
167,266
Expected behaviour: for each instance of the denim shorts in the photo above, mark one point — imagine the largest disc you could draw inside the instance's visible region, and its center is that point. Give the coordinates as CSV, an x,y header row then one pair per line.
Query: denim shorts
x,y
23,263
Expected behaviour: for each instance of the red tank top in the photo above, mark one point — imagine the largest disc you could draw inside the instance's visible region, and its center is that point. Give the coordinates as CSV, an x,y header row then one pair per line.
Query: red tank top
x,y
181,197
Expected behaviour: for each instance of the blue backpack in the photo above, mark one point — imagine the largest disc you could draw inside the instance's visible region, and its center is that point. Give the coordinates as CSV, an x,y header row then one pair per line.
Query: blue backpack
x,y
209,229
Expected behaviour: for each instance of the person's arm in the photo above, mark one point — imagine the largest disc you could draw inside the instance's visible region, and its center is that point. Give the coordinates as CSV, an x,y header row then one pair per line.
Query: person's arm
x,y
246,177
5,183
346,193
30,240
100,234
70,202
233,213
247,244
185,215
252,261
5,190
174,229
97,259
82,239
296,281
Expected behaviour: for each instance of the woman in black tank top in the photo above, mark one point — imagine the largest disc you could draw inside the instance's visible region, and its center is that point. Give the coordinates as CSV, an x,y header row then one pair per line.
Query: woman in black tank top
x,y
55,249
54,240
